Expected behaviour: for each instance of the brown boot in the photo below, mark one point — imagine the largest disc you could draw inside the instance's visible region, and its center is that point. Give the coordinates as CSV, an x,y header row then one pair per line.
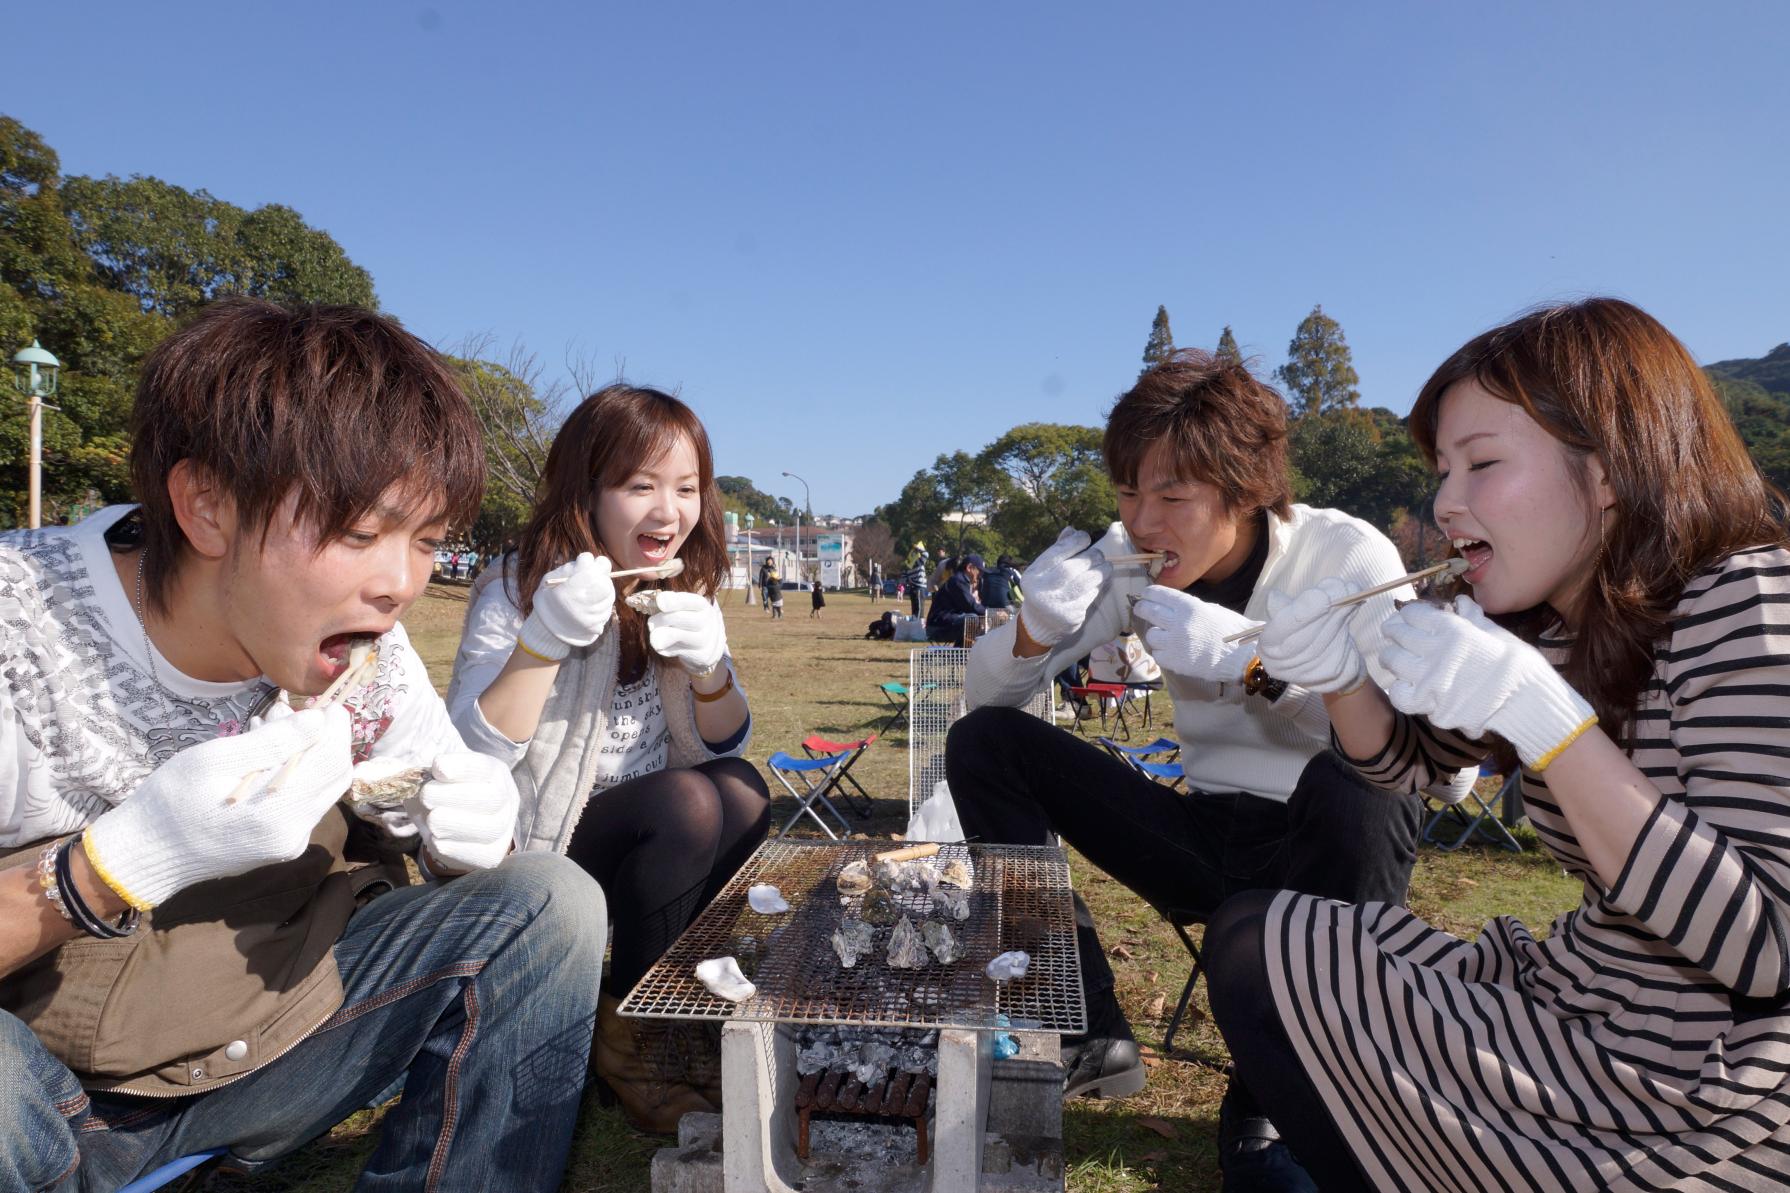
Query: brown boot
x,y
635,1058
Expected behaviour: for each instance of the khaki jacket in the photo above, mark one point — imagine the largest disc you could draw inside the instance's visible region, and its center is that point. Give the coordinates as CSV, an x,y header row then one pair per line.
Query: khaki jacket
x,y
221,979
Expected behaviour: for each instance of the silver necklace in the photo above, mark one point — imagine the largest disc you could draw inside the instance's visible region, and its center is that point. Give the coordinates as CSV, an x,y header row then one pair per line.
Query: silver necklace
x,y
143,624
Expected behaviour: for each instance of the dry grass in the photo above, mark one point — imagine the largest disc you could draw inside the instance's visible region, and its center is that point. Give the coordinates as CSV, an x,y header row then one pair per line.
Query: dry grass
x,y
821,676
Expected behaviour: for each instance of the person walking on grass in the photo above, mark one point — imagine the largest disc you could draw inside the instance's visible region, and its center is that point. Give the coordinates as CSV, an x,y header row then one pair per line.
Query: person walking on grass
x,y
818,598
625,727
202,944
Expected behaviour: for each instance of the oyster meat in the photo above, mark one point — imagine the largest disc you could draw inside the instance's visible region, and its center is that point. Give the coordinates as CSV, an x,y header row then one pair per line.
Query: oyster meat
x,y
956,872
917,877
851,940
907,948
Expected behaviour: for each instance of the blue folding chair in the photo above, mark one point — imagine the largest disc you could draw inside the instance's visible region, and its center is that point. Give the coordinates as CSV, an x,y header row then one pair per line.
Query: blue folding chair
x,y
170,1170
1125,753
817,776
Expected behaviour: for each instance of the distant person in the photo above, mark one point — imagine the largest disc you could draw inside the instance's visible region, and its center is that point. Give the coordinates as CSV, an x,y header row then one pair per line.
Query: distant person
x,y
875,574
955,602
624,729
818,597
914,577
997,585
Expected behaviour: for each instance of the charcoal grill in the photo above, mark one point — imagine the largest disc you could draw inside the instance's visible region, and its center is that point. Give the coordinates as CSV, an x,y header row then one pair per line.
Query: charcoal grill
x,y
1021,899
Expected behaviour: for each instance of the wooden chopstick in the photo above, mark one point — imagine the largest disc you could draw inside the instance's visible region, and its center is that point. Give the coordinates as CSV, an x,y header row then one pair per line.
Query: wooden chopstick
x,y
1454,566
664,571
349,679
1143,557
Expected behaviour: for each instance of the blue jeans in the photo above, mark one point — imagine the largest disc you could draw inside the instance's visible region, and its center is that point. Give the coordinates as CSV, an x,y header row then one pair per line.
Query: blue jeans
x,y
480,993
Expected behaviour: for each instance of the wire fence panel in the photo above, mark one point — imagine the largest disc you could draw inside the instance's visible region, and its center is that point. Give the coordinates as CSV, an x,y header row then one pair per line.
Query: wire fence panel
x,y
935,702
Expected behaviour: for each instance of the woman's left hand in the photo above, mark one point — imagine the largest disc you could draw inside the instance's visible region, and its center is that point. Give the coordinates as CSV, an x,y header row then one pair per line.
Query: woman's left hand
x,y
1462,672
688,630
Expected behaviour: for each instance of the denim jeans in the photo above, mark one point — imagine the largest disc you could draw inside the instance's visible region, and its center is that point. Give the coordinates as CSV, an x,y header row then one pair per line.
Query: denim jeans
x,y
480,993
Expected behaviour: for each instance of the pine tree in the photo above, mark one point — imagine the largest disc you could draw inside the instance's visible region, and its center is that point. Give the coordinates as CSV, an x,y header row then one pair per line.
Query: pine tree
x,y
1319,375
1227,347
1161,344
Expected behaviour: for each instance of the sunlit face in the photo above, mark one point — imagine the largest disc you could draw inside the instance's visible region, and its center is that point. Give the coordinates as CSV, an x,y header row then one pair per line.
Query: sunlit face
x,y
293,603
646,519
1516,503
1186,519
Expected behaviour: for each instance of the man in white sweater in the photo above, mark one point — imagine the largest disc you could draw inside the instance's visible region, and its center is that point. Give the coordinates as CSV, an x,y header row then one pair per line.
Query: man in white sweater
x,y
1197,450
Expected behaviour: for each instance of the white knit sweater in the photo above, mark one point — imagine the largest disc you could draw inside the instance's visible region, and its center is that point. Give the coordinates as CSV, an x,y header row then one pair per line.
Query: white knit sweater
x,y
1230,741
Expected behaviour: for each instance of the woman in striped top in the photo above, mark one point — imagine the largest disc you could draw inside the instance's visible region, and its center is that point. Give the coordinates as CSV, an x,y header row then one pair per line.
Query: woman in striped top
x,y
1639,672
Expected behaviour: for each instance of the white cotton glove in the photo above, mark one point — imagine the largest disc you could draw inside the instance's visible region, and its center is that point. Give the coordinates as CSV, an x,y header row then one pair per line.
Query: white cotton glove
x,y
688,630
572,607
1187,635
466,812
1307,641
179,828
1454,667
1061,586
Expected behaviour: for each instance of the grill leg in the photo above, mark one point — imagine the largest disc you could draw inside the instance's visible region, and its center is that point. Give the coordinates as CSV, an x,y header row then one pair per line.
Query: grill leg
x,y
802,1132
920,1140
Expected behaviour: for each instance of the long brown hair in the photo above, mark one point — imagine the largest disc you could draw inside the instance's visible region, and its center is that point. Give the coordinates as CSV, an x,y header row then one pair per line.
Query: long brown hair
x,y
1604,377
610,436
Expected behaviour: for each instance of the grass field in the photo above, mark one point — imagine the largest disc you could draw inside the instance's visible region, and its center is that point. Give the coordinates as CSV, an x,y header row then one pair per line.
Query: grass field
x,y
808,675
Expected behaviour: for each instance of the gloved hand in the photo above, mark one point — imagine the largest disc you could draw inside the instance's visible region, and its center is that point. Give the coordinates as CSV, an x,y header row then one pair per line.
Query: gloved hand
x,y
392,817
1187,635
466,811
1061,586
1462,672
178,827
1308,642
572,607
687,629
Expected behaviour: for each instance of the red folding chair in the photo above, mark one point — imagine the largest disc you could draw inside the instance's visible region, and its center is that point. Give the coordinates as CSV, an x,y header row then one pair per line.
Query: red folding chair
x,y
1098,694
816,746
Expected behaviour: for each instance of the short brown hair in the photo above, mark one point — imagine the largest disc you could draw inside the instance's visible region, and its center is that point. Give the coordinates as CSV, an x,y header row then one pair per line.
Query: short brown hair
x,y
1605,378
335,402
612,434
1220,423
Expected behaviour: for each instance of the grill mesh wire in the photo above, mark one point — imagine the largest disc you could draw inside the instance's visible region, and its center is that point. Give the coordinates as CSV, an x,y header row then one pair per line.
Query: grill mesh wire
x,y
935,701
1021,900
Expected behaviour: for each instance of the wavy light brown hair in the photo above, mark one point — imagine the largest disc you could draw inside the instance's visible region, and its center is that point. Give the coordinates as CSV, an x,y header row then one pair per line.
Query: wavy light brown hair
x,y
337,404
1221,424
1606,379
607,439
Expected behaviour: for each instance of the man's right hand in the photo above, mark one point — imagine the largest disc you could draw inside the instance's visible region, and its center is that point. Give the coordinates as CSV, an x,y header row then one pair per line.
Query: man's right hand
x,y
1061,586
572,607
214,810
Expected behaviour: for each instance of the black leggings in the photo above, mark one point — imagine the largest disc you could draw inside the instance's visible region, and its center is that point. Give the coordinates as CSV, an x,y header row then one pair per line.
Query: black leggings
x,y
662,846
1267,1066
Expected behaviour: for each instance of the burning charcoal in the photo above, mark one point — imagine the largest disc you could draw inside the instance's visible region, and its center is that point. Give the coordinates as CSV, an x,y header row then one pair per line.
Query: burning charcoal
x,y
723,978
907,949
1008,966
956,872
938,938
851,940
854,879
767,899
953,905
879,908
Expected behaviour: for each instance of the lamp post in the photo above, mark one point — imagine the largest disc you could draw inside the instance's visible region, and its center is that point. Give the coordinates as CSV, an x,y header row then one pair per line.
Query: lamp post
x,y
806,502
34,374
750,520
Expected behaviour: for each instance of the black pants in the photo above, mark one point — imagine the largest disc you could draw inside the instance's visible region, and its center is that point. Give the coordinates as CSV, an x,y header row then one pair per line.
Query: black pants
x,y
662,846
913,597
1015,779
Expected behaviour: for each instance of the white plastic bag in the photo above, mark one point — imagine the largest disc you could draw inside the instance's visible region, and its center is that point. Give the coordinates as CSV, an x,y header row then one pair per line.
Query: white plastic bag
x,y
910,629
936,818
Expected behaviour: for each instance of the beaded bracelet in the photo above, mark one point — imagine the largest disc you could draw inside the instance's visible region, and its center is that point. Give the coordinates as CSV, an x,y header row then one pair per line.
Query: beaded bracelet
x,y
83,915
46,876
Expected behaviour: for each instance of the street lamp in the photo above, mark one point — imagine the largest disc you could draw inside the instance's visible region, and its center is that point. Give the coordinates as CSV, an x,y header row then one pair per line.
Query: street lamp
x,y
806,502
750,521
34,374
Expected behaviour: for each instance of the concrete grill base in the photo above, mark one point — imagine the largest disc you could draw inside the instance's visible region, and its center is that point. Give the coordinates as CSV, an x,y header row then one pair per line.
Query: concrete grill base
x,y
997,1125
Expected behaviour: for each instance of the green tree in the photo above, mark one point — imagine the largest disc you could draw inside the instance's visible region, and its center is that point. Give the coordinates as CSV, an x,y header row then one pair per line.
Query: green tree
x,y
743,497
1361,462
1319,375
1227,347
1054,476
1161,344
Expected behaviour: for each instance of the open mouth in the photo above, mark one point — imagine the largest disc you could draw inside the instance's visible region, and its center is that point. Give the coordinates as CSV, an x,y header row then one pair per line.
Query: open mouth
x,y
333,651
656,547
1477,553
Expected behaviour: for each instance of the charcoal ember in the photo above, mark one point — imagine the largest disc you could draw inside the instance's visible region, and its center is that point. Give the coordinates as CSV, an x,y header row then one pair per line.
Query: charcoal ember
x,y
903,878
956,872
852,940
879,908
951,904
938,938
907,948
854,879
870,1064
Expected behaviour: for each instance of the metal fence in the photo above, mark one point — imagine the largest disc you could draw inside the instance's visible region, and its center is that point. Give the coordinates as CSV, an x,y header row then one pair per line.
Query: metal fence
x,y
935,702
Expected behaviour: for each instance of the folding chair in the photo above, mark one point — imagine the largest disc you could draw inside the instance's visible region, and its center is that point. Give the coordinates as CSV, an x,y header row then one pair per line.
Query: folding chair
x,y
1149,750
1098,694
818,776
1476,817
1180,921
900,699
816,746
1169,774
170,1170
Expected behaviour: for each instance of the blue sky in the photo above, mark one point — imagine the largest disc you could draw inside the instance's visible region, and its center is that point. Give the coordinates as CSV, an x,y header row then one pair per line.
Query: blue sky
x,y
860,235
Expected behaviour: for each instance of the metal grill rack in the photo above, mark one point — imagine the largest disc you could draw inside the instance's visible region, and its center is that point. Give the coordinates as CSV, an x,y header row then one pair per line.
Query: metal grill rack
x,y
1020,900
935,695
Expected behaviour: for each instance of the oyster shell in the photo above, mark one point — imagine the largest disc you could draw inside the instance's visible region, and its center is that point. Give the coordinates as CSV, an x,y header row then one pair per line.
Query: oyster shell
x,y
956,872
723,978
854,879
851,940
389,791
938,938
644,602
953,905
917,877
879,907
907,948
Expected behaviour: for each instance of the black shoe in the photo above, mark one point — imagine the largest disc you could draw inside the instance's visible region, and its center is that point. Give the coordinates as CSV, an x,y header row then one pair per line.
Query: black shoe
x,y
1102,1069
1250,1153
